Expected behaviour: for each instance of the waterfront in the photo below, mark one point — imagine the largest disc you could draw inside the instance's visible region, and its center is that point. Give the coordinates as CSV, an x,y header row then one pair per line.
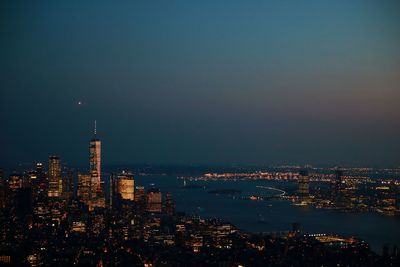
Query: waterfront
x,y
274,214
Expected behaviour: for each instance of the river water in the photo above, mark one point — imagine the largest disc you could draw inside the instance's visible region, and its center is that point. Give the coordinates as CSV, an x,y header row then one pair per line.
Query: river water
x,y
275,214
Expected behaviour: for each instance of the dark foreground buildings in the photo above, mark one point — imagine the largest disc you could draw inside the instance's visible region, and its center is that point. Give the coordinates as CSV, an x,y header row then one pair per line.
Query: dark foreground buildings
x,y
45,221
66,233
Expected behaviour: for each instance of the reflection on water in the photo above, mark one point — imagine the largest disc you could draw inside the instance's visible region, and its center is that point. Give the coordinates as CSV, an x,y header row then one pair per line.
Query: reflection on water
x,y
274,214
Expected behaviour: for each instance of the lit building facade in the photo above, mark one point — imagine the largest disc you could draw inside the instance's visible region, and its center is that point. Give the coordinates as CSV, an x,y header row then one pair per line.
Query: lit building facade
x,y
67,184
126,186
95,161
54,177
154,200
83,192
139,193
304,183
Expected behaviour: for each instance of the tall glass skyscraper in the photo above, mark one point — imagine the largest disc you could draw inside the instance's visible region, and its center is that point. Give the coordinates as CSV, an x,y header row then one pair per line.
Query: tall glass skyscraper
x,y
95,161
54,176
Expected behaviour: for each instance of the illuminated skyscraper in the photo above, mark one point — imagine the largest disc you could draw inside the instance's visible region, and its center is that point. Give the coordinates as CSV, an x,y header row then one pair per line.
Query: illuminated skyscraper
x,y
304,181
154,202
126,186
54,176
95,161
122,187
140,199
84,183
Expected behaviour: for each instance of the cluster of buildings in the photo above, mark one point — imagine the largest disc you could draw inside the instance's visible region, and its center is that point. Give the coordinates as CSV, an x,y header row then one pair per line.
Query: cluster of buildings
x,y
346,194
49,218
357,191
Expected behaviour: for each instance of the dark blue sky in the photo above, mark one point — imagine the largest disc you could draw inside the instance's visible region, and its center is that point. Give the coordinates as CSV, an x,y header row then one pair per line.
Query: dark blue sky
x,y
203,82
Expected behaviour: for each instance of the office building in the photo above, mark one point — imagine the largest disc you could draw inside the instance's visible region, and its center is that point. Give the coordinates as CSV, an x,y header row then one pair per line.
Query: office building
x,y
126,186
15,182
139,193
54,177
40,174
304,183
154,201
169,204
67,185
84,187
95,162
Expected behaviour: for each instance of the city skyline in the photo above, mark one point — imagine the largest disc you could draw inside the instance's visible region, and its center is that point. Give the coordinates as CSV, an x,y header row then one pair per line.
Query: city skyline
x,y
95,161
202,83
200,133
42,207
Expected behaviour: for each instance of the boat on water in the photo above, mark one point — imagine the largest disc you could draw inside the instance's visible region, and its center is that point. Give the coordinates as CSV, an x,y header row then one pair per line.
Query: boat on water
x,y
300,204
253,198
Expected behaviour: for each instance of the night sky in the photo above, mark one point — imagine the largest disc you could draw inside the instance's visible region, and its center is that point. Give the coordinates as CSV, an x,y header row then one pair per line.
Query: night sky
x,y
201,82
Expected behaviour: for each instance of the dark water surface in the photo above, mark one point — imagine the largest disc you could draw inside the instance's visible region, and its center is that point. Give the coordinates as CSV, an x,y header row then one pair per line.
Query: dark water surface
x,y
274,214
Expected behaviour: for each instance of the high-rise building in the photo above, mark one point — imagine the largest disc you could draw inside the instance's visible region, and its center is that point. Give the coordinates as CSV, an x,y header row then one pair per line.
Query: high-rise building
x,y
84,187
95,161
140,199
139,193
54,177
154,200
304,181
122,187
40,172
91,190
113,189
32,181
15,182
41,185
67,184
126,186
169,204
